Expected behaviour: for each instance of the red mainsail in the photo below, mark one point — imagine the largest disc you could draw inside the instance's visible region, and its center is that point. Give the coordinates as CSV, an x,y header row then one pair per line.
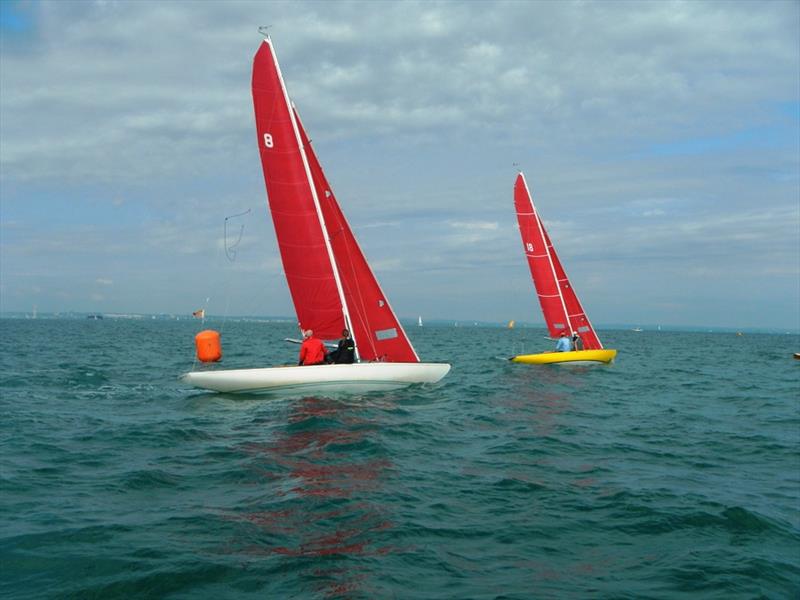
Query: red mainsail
x,y
330,281
560,305
306,261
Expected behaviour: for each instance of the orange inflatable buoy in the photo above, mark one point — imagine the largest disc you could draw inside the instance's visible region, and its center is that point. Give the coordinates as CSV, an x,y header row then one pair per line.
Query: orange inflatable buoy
x,y
209,348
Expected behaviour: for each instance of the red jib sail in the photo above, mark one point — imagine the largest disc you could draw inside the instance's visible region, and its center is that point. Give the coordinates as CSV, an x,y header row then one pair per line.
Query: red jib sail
x,y
330,281
375,328
560,305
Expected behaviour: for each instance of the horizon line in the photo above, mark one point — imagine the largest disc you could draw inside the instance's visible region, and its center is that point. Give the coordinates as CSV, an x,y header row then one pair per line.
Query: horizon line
x,y
433,321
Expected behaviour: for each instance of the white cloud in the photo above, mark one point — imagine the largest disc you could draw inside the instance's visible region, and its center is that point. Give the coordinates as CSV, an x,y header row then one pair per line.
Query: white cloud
x,y
120,95
419,112
471,225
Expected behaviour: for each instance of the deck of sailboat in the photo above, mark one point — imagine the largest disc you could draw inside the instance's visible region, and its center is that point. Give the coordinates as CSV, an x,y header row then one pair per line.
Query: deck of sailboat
x,y
357,377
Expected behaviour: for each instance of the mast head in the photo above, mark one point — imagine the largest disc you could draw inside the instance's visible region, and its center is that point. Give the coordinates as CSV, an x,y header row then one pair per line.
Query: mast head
x,y
262,29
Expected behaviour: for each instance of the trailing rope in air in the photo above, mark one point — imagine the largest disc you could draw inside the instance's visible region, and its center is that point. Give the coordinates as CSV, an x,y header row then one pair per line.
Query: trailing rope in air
x,y
231,250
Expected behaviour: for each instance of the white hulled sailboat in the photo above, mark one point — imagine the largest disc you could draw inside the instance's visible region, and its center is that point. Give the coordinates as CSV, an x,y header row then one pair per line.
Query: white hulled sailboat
x,y
330,281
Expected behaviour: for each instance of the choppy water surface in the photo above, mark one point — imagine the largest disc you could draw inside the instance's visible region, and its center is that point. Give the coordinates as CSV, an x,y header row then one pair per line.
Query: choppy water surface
x,y
673,473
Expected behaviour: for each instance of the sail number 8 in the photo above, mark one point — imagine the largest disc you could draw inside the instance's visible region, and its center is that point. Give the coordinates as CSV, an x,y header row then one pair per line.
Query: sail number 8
x,y
268,140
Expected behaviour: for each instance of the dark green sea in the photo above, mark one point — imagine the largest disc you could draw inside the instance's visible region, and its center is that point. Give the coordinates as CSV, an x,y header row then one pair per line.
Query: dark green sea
x,y
673,473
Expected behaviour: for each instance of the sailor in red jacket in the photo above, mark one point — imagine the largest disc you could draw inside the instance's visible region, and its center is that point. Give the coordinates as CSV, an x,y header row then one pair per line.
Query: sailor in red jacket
x,y
312,350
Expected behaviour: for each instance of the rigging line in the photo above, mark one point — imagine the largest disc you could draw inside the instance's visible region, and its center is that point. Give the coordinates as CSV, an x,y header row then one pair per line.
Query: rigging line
x,y
232,250
225,314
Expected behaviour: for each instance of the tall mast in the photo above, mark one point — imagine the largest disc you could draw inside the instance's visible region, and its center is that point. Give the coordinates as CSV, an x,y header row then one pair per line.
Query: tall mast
x,y
310,180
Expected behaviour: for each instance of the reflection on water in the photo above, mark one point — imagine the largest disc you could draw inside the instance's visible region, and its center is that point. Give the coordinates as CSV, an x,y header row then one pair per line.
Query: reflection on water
x,y
320,470
543,404
541,393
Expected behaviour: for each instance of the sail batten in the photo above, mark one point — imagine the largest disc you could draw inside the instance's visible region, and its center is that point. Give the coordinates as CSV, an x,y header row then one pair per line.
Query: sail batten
x,y
560,305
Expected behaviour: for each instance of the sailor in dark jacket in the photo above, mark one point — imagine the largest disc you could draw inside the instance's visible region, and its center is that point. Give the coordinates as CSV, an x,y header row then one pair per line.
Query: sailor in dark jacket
x,y
345,352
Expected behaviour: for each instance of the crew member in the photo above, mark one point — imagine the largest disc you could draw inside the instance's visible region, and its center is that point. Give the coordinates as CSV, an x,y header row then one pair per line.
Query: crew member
x,y
563,344
312,350
577,342
345,353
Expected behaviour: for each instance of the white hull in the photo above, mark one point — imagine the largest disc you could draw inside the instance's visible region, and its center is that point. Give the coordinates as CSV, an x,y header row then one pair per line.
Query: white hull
x,y
359,377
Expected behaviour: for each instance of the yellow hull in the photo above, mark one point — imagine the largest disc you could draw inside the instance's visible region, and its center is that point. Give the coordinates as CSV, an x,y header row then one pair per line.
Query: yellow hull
x,y
546,358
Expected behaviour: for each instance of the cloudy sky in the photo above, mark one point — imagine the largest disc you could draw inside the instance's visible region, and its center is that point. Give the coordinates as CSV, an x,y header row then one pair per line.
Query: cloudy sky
x,y
661,141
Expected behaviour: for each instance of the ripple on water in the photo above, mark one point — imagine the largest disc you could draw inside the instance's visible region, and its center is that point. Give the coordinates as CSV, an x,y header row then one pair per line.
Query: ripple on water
x,y
670,474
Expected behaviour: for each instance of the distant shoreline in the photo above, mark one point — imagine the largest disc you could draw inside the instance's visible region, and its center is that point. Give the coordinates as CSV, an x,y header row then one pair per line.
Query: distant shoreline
x,y
410,322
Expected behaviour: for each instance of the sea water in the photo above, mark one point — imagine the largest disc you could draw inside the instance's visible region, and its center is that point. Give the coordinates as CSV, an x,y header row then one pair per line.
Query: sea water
x,y
672,473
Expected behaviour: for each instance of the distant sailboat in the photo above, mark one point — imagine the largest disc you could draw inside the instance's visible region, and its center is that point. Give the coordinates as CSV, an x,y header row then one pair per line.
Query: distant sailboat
x,y
637,329
419,321
511,324
562,310
330,281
